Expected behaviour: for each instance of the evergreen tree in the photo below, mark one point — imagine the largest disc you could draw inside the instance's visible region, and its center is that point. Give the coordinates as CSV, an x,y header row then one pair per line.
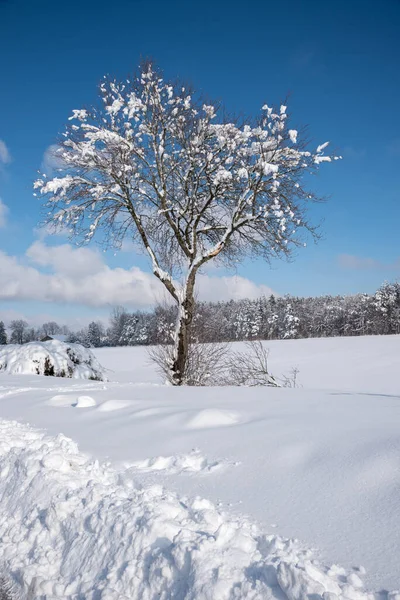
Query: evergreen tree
x,y
95,334
3,334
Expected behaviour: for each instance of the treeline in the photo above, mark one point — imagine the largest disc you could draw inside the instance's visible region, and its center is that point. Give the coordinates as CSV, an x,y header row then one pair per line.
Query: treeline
x,y
20,332
267,318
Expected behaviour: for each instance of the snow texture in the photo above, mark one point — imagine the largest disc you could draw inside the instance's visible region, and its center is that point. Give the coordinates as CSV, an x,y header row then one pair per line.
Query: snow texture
x,y
72,527
52,358
318,463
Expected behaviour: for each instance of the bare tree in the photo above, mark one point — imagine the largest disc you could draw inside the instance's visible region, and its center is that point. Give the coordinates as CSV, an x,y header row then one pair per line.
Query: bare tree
x,y
155,163
18,331
51,328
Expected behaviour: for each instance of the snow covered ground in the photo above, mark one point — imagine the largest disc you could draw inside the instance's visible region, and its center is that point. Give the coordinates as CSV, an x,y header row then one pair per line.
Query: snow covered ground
x,y
320,463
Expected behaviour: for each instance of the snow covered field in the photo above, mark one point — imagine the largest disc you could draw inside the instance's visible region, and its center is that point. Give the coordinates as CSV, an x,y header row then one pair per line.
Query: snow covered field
x,y
320,463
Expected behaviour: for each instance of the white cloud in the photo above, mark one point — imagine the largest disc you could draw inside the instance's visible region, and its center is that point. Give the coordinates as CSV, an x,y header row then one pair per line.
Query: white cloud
x,y
80,276
51,161
5,156
44,231
65,259
230,288
349,261
4,210
361,263
128,246
72,321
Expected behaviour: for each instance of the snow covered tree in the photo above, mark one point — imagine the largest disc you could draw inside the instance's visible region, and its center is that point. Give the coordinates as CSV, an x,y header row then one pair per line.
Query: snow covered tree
x,y
163,324
82,337
291,322
95,333
30,335
3,334
246,321
387,304
153,162
118,319
136,330
18,330
73,337
51,328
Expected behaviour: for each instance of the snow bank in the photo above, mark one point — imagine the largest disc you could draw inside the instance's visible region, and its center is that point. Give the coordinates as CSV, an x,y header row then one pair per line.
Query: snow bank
x,y
53,358
72,527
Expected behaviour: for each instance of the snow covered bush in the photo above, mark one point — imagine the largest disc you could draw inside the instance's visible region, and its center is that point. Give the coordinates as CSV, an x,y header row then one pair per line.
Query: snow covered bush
x,y
52,358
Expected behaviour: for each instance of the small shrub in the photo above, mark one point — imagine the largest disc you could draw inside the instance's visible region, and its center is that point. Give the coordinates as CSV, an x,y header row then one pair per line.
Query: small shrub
x,y
219,365
48,370
206,363
250,368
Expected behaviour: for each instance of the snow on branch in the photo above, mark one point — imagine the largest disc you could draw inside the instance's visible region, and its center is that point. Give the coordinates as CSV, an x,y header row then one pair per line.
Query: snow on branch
x,y
154,163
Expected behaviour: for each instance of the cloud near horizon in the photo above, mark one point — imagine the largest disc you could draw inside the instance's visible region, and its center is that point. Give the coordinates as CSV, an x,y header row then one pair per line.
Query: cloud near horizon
x,y
68,275
74,322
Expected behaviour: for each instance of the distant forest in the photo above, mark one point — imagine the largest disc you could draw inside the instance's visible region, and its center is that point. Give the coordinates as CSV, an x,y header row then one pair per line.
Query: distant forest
x,y
267,318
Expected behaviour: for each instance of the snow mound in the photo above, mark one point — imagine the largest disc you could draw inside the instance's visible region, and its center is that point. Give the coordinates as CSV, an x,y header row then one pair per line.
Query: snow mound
x,y
52,358
213,417
112,405
147,412
71,527
84,402
61,400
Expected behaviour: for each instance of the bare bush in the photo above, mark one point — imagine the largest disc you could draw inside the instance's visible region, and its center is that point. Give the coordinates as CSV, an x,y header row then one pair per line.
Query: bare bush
x,y
206,364
250,367
219,365
290,381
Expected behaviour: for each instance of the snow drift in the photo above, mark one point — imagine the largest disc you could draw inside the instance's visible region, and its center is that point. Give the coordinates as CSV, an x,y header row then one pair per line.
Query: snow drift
x,y
72,527
52,358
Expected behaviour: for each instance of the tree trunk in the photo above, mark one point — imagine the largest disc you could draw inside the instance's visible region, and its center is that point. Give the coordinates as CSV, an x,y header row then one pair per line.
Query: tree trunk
x,y
182,336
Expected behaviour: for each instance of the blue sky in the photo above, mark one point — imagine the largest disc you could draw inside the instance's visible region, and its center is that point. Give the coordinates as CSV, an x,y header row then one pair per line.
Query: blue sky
x,y
337,61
